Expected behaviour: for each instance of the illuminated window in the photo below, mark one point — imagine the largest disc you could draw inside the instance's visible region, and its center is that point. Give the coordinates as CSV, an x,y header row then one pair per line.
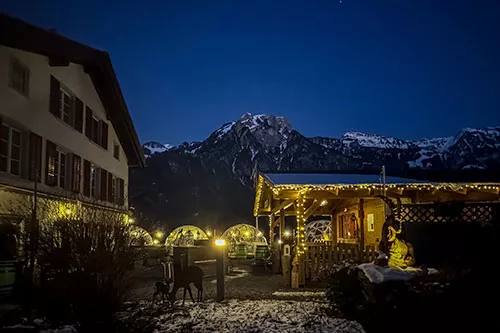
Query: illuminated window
x,y
19,77
10,153
62,170
347,226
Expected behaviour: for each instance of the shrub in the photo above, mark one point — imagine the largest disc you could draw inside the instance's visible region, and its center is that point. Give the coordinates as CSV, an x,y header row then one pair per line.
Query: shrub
x,y
83,263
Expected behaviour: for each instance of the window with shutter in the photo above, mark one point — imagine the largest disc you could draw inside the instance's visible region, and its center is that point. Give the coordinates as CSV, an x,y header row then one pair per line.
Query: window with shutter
x,y
76,173
121,189
86,178
35,157
95,130
104,185
55,97
10,151
62,169
19,77
78,115
93,181
110,187
104,135
88,122
51,165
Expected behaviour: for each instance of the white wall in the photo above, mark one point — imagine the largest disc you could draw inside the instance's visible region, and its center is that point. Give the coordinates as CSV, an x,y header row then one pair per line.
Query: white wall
x,y
33,112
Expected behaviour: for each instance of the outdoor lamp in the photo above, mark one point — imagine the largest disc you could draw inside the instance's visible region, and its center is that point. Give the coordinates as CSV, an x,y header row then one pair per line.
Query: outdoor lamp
x,y
220,242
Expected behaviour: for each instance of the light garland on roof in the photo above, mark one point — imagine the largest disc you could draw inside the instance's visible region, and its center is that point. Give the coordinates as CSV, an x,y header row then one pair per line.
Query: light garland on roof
x,y
401,187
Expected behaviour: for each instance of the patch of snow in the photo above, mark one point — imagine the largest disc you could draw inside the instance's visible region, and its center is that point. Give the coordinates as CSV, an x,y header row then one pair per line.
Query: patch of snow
x,y
157,148
63,329
243,316
299,293
237,274
473,166
379,274
374,141
224,129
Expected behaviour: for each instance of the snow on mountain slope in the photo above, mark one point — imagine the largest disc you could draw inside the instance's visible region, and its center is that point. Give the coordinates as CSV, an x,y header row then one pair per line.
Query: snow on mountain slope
x,y
374,141
432,144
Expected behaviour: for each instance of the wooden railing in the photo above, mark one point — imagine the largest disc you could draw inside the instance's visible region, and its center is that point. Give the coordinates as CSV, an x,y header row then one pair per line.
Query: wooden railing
x,y
320,257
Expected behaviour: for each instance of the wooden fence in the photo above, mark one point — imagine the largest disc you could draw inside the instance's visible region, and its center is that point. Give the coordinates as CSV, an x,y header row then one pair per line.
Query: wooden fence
x,y
320,257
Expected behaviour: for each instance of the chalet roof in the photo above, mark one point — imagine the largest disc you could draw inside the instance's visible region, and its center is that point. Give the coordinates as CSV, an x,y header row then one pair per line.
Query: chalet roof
x,y
333,179
60,51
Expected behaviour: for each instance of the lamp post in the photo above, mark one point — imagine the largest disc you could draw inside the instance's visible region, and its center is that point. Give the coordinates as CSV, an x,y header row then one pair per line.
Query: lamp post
x,y
220,244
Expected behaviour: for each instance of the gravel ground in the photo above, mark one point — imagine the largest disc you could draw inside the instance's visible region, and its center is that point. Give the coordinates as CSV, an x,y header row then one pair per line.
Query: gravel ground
x,y
245,282
250,316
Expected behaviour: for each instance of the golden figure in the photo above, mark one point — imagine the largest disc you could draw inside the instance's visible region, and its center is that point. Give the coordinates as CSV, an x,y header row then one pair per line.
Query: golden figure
x,y
401,254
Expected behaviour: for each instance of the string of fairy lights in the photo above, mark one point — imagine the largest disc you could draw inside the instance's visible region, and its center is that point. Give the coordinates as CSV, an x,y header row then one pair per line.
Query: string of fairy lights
x,y
304,189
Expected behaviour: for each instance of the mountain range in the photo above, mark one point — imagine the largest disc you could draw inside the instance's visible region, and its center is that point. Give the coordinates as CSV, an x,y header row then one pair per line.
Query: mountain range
x,y
211,182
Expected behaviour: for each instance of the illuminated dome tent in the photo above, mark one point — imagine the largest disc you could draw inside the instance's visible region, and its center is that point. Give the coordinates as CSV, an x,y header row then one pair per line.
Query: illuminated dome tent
x,y
140,237
318,231
243,234
184,235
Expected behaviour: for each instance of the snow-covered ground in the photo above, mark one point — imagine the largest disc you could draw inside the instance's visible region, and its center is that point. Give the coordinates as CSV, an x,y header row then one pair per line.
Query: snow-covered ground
x,y
242,316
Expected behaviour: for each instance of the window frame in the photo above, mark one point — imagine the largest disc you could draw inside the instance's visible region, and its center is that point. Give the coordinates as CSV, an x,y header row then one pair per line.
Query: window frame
x,y
116,150
25,77
10,144
62,93
343,224
93,180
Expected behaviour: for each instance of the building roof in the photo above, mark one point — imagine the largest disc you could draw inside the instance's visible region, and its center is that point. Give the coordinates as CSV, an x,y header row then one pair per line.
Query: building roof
x,y
333,179
60,51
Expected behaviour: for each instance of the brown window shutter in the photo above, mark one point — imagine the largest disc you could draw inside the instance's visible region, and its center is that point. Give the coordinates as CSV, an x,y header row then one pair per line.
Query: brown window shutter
x,y
104,185
104,134
35,157
51,164
121,197
86,178
88,122
110,187
1,122
78,115
55,97
76,168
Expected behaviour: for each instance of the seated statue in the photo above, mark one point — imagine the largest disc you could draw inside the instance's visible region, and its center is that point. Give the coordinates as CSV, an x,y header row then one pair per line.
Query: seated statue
x,y
401,253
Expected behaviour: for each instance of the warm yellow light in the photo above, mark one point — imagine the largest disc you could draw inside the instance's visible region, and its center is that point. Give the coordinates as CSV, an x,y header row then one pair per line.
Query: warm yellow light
x,y
247,233
220,242
287,233
67,211
131,220
280,241
259,234
159,234
323,203
156,242
209,233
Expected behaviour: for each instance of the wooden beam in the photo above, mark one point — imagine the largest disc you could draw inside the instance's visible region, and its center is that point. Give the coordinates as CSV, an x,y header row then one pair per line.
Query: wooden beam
x,y
312,209
361,214
282,222
284,205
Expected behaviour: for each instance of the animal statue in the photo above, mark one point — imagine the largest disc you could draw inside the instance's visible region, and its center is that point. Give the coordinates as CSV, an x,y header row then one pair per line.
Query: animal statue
x,y
183,278
162,289
400,253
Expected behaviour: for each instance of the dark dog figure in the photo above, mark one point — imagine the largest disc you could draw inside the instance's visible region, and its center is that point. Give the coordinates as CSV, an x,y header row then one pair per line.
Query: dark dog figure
x,y
162,289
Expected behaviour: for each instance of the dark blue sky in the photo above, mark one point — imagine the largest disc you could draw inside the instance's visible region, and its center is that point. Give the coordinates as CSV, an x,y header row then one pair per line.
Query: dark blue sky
x,y
410,69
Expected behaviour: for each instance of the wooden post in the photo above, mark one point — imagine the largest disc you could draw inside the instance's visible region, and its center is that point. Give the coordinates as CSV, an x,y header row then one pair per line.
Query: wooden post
x,y
220,273
361,213
282,222
300,250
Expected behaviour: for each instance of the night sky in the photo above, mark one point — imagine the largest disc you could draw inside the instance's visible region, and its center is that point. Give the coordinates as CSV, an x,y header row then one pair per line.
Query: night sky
x,y
409,69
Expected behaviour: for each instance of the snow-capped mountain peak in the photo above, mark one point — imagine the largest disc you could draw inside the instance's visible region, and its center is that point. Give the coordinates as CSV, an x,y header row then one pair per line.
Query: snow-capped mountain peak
x,y
153,147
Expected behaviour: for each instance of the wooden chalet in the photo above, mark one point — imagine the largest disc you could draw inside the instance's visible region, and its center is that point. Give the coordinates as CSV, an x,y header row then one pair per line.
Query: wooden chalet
x,y
356,212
